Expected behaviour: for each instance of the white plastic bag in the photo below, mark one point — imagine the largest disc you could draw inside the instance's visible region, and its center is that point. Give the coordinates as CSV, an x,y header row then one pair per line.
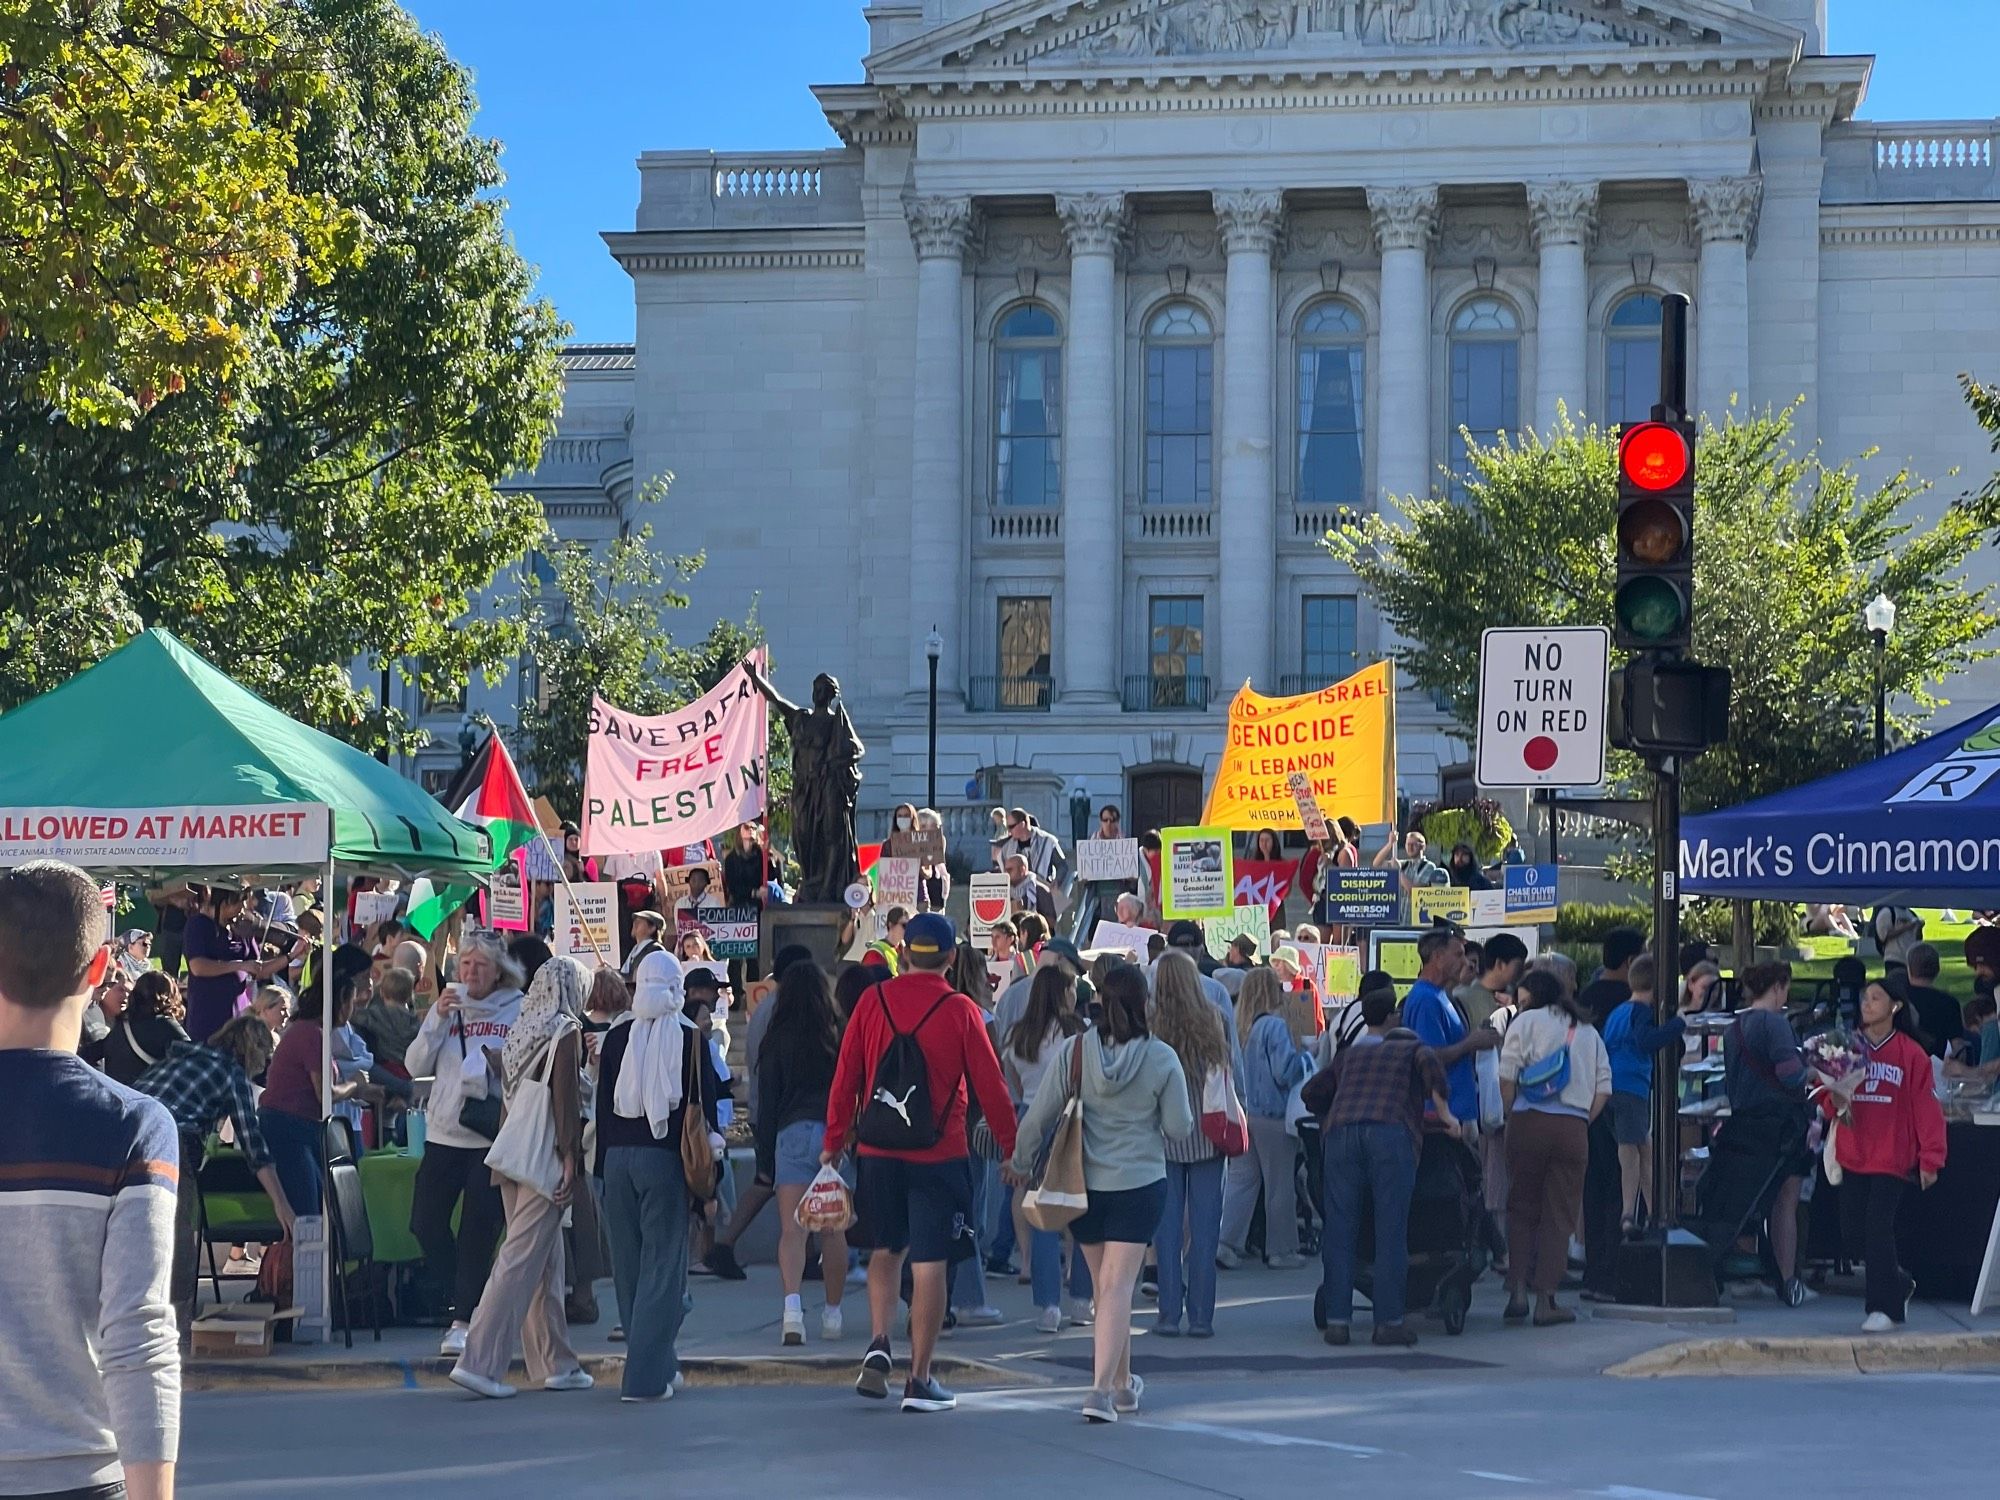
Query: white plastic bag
x,y
827,1205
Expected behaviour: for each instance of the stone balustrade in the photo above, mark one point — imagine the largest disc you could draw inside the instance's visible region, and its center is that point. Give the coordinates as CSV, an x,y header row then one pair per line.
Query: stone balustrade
x,y
749,190
1919,162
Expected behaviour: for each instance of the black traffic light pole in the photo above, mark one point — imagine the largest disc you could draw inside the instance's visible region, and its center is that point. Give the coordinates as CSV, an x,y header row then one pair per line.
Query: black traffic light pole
x,y
1667,836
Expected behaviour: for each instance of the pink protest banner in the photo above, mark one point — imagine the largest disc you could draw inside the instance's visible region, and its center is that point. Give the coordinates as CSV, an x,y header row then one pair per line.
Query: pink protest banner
x,y
663,781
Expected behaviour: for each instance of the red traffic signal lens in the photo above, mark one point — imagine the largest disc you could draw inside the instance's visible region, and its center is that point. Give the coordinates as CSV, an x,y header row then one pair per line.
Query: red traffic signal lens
x,y
1654,456
1652,533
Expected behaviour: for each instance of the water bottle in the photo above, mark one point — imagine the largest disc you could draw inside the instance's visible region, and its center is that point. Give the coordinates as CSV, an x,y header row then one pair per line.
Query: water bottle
x,y
415,1127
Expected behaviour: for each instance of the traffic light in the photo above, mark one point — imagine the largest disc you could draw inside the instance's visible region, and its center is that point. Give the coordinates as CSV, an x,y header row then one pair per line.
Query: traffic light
x,y
1669,707
1653,609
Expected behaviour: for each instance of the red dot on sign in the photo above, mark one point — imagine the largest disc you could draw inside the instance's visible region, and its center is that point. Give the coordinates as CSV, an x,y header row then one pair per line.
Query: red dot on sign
x,y
1540,753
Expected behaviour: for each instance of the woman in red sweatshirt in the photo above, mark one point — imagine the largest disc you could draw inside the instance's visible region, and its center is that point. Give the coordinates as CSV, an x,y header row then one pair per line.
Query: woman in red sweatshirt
x,y
1895,1133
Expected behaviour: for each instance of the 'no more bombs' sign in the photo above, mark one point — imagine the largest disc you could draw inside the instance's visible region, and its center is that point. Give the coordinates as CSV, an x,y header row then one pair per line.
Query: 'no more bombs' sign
x,y
1542,706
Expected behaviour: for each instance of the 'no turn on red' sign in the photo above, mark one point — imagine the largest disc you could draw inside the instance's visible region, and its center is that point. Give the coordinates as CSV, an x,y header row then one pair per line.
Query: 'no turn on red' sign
x,y
1542,706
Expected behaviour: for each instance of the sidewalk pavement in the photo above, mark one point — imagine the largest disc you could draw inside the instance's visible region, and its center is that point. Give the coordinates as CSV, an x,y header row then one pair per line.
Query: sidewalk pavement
x,y
1263,1325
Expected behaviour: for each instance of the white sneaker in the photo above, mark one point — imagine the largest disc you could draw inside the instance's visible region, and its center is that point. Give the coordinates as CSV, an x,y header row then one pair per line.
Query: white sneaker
x,y
479,1385
666,1395
831,1325
1051,1320
575,1380
1227,1259
795,1327
1126,1402
980,1317
1878,1322
1078,1310
454,1341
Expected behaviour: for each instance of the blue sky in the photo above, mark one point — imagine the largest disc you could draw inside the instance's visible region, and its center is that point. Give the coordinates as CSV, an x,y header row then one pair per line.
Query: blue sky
x,y
577,90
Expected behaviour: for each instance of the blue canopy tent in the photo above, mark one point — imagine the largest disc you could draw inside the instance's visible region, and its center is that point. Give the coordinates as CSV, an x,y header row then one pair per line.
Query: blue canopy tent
x,y
1920,827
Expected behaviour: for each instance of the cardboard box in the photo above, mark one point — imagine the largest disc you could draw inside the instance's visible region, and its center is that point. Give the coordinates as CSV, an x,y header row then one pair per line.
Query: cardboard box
x,y
245,1330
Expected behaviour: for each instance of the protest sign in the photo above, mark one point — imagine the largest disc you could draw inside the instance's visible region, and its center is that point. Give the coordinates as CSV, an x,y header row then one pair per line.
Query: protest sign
x,y
654,781
1264,882
1435,903
1529,894
729,931
586,917
372,909
1342,738
896,883
1197,873
923,844
1489,908
507,895
1219,932
1340,973
1107,859
258,838
989,905
1116,937
1310,817
1362,898
547,818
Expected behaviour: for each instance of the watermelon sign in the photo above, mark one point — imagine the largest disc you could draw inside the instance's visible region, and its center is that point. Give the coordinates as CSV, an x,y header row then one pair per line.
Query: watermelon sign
x,y
989,905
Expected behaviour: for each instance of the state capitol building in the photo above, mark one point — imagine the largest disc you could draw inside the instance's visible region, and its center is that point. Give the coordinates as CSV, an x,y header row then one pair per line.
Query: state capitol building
x,y
1105,311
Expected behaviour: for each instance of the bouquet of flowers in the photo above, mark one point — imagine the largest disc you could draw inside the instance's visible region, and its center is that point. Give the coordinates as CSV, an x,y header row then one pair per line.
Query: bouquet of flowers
x,y
1838,1068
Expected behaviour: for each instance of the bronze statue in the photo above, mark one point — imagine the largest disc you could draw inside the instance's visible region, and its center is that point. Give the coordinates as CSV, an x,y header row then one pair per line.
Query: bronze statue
x,y
826,778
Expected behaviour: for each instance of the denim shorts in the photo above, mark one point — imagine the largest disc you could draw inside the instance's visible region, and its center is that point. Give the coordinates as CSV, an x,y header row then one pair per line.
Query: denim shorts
x,y
799,1146
1631,1119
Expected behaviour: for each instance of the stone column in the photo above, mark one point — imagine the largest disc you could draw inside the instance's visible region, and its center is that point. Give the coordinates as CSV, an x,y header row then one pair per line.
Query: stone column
x,y
1096,225
939,227
1250,221
1725,214
1564,219
1405,222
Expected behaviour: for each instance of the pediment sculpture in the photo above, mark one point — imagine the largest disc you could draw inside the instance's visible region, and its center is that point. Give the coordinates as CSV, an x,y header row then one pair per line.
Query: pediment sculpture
x,y
1187,28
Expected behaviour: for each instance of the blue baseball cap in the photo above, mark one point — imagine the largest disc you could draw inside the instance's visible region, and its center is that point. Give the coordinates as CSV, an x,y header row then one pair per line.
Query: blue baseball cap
x,y
930,932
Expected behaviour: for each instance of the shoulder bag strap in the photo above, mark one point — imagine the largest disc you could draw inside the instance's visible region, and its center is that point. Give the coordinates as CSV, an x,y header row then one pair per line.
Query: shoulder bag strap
x,y
132,1041
1076,1068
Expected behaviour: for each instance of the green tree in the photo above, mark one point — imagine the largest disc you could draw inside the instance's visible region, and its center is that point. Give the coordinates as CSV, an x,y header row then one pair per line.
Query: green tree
x,y
338,499
600,629
1985,403
1788,552
152,223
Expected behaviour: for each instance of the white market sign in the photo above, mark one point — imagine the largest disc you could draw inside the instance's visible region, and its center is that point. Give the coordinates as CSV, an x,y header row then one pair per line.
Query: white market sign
x,y
260,837
1542,698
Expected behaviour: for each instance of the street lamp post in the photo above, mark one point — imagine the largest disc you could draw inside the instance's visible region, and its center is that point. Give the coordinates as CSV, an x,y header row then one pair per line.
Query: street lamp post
x,y
1880,617
933,649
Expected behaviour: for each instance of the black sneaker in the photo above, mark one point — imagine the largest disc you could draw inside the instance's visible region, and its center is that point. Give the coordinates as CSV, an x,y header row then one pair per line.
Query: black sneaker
x,y
875,1367
927,1395
721,1262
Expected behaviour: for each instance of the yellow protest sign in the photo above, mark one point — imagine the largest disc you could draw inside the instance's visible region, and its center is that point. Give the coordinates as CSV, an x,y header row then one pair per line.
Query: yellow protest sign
x,y
1342,737
1434,903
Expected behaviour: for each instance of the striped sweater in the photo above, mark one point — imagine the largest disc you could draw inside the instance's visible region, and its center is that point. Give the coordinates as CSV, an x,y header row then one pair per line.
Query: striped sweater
x,y
92,1369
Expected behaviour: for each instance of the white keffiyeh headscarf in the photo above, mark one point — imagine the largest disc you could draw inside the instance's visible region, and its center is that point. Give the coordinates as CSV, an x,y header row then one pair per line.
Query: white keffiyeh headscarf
x,y
553,1003
649,1082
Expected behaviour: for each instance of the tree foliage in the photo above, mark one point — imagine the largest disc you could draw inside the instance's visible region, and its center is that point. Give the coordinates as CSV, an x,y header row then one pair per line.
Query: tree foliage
x,y
152,222
599,628
1788,553
338,498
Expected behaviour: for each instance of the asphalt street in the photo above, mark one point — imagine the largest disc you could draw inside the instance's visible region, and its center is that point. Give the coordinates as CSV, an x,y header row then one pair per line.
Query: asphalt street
x,y
1382,1427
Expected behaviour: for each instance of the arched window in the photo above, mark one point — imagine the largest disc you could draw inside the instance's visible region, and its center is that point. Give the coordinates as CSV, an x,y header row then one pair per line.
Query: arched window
x,y
1485,376
1331,395
1027,409
1632,358
1180,407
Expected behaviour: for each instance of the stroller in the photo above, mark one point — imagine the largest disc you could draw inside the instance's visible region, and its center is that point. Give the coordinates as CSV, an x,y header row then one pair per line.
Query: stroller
x,y
1452,1236
1749,1157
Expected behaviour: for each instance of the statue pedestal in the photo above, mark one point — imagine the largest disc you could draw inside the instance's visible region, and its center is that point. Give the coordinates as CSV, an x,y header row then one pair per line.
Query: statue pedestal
x,y
816,928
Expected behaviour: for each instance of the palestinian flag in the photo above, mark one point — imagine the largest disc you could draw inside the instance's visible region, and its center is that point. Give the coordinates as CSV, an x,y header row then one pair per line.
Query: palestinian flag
x,y
489,793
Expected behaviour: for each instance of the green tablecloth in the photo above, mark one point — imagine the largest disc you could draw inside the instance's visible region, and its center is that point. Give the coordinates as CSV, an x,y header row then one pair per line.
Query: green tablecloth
x,y
388,1183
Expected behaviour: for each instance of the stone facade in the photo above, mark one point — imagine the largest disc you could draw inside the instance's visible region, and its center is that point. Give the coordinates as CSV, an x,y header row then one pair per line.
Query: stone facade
x,y
1206,205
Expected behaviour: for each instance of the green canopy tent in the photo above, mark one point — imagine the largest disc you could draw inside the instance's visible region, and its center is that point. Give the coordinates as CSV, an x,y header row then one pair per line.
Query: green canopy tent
x,y
154,764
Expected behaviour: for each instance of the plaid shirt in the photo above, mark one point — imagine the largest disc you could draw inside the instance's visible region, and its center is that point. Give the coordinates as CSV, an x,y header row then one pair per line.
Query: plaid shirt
x,y
1378,1083
199,1086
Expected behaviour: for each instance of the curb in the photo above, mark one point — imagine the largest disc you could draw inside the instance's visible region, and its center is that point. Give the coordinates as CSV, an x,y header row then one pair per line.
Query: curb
x,y
1921,1353
606,1369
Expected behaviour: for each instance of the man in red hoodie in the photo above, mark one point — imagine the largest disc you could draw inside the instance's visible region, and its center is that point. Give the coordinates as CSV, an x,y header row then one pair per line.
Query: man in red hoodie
x,y
905,1108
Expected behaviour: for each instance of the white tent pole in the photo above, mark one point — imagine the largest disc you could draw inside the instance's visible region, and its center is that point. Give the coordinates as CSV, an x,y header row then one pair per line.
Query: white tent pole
x,y
326,1079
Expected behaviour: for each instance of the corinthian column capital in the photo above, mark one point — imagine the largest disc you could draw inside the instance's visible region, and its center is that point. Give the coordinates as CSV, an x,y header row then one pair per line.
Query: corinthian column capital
x,y
1726,208
1405,218
1563,213
1251,219
1094,223
940,224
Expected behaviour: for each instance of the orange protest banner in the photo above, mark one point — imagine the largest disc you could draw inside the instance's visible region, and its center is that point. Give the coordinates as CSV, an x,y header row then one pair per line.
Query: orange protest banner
x,y
1343,738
